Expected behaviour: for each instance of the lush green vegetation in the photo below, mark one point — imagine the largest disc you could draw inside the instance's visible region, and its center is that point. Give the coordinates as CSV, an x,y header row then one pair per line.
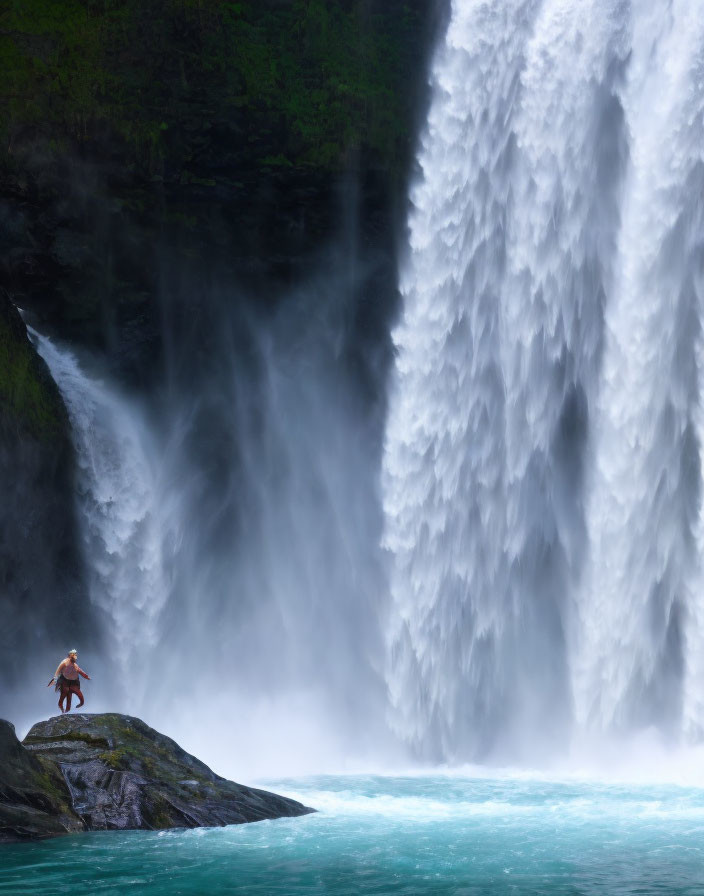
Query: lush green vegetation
x,y
305,82
218,135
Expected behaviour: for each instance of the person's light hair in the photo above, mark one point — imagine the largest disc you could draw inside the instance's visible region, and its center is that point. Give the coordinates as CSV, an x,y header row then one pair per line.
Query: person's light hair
x,y
73,651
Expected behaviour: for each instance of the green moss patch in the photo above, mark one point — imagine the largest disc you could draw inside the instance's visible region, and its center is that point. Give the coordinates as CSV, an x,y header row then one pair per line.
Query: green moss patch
x,y
28,396
309,80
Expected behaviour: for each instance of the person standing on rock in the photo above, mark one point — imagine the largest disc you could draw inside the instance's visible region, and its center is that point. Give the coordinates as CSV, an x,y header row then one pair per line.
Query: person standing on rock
x,y
67,682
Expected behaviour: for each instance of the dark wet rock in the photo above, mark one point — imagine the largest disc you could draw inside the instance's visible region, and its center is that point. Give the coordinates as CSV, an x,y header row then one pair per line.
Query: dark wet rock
x,y
122,774
35,800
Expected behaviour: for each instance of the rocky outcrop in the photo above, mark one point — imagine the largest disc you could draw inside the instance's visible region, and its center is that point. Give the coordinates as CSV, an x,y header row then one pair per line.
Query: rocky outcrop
x,y
35,800
121,774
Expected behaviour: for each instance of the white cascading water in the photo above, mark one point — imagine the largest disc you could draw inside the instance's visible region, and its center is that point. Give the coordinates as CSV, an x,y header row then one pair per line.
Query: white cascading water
x,y
542,470
640,613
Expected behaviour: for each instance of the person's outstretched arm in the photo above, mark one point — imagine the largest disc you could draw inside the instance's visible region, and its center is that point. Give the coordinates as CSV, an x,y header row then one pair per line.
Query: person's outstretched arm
x,y
61,666
81,672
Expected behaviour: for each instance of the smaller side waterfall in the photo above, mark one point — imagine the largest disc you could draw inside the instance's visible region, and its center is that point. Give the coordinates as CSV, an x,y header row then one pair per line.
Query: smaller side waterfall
x,y
232,536
118,497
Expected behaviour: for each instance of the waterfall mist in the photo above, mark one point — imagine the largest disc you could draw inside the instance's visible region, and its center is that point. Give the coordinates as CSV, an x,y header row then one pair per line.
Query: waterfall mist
x,y
275,454
232,528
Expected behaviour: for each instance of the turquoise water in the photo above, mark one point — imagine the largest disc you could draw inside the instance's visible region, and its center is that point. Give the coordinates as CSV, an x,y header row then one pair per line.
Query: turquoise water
x,y
402,835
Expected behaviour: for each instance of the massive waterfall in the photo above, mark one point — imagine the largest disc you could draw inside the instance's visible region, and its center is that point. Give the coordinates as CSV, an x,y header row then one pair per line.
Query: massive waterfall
x,y
542,471
541,474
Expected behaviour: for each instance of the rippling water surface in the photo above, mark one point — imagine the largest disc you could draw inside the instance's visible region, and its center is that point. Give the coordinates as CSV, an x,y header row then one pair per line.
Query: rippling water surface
x,y
409,835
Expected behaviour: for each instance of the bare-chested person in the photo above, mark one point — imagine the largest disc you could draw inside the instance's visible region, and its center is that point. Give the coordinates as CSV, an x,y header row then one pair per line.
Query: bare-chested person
x,y
67,681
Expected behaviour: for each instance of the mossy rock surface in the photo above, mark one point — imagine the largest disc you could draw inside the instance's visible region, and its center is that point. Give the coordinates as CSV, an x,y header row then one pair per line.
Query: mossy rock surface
x,y
30,402
123,774
35,801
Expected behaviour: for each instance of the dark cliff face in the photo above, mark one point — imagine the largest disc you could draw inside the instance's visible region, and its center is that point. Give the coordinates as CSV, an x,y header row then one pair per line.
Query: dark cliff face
x,y
148,150
172,175
42,590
